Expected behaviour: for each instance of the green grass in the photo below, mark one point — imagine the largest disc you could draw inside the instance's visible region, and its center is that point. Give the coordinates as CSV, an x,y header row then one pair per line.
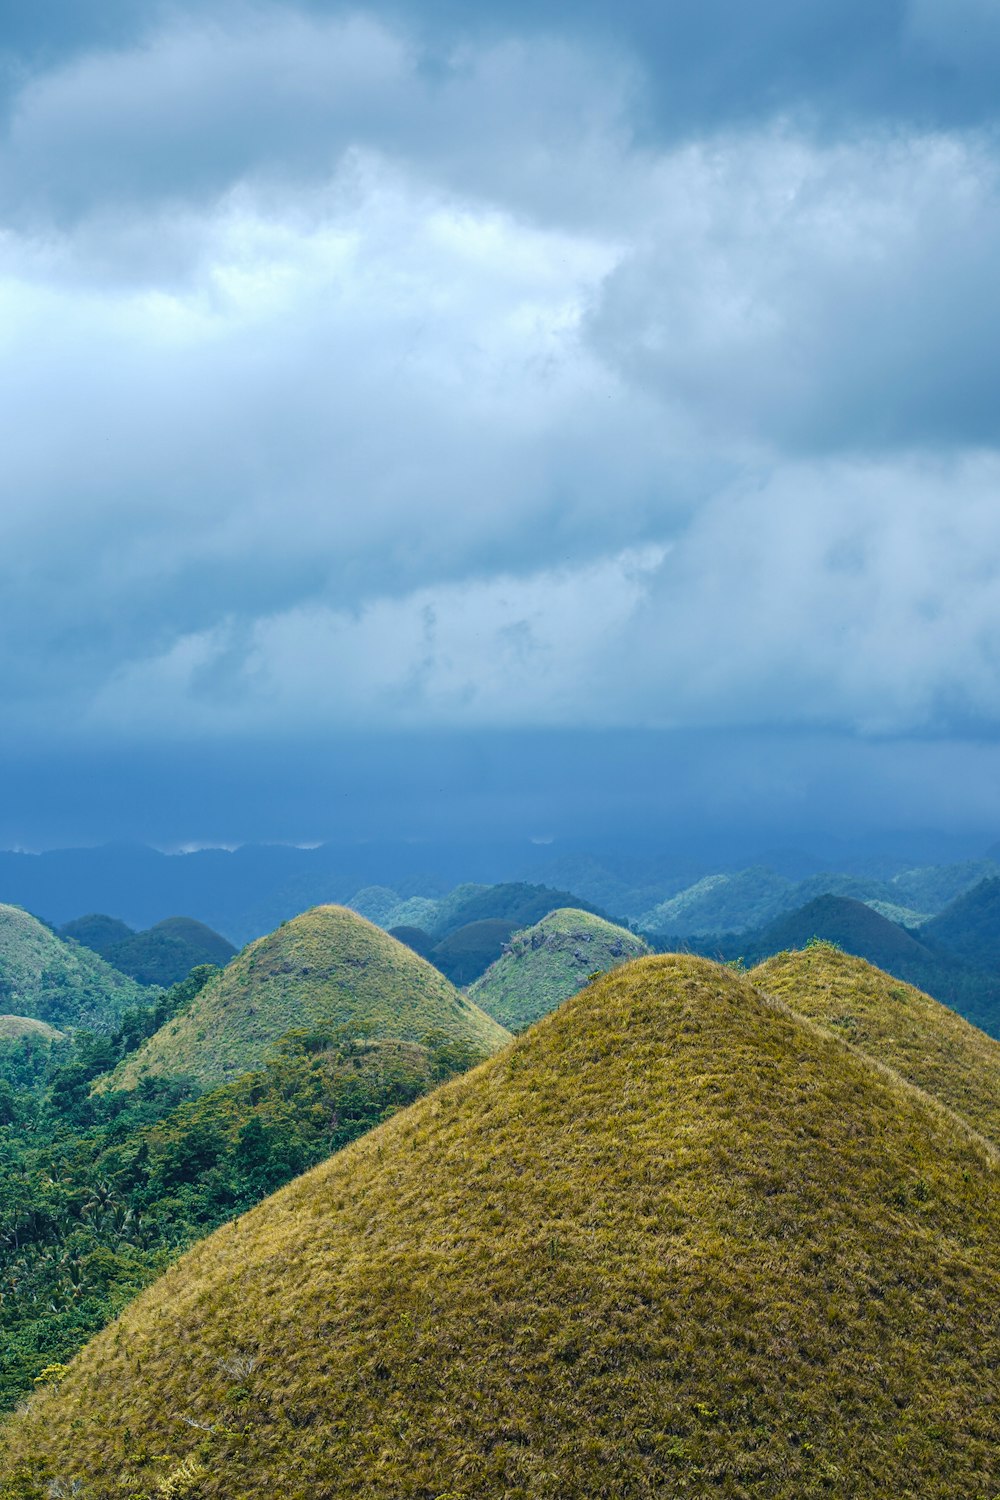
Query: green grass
x,y
674,1241
329,968
61,983
547,963
928,1044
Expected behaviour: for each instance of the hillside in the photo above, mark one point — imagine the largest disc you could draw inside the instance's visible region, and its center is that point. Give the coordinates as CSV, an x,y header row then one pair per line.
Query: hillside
x,y
722,903
21,1028
468,951
328,968
545,964
849,923
675,1240
49,980
163,954
515,902
925,1042
969,929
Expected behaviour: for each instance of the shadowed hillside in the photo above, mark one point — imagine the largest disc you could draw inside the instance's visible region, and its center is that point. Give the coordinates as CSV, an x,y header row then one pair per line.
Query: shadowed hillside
x,y
44,978
542,966
164,954
328,968
676,1240
969,929
925,1042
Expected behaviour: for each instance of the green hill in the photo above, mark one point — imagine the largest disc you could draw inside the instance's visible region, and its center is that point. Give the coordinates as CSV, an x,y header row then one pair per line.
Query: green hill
x,y
925,1042
722,903
514,902
328,968
163,954
545,964
468,951
849,923
969,928
675,1240
46,979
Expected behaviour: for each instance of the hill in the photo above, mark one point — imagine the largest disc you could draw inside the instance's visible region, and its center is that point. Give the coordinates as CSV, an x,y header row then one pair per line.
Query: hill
x,y
545,964
969,928
328,968
46,979
676,1240
163,954
722,903
925,1042
514,902
849,923
468,951
19,1028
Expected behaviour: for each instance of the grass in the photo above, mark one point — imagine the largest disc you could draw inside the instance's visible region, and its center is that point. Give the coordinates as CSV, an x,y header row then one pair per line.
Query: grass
x,y
547,963
329,968
928,1044
16,1028
61,983
675,1241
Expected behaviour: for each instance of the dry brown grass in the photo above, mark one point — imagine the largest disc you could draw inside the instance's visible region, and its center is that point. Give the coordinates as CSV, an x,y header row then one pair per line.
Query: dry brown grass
x,y
673,1241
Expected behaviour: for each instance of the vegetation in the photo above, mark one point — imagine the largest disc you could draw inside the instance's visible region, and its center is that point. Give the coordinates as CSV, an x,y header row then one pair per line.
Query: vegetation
x,y
160,955
468,951
515,903
99,1192
328,968
49,980
676,1240
925,1042
542,966
969,929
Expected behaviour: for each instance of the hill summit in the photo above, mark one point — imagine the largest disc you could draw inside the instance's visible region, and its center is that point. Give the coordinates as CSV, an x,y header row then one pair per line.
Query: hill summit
x,y
675,1240
545,964
328,969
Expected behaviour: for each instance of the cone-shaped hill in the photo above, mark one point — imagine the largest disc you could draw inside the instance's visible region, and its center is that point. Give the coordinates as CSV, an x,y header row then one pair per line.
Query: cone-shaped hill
x,y
24,1028
49,980
927,1043
545,964
329,969
674,1241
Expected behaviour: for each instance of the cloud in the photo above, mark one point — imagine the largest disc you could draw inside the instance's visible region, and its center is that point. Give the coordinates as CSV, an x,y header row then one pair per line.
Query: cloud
x,y
361,373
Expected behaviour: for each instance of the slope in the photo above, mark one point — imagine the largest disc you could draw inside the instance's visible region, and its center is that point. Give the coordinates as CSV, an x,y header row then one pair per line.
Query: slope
x,y
50,980
545,964
925,1042
23,1028
969,929
328,968
163,954
675,1240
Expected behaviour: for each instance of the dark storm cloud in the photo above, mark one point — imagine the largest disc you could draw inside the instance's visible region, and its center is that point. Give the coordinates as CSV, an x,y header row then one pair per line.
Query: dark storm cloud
x,y
444,366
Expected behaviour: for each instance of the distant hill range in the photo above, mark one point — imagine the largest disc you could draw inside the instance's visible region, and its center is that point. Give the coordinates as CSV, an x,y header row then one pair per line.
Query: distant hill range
x,y
47,979
162,954
678,1239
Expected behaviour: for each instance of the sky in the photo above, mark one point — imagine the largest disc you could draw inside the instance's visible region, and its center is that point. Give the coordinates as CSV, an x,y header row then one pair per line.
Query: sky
x,y
411,408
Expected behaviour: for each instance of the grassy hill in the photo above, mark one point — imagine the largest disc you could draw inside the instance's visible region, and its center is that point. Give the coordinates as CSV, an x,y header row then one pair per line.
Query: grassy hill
x,y
675,1241
20,1028
515,902
46,979
163,954
468,951
545,964
328,968
925,1042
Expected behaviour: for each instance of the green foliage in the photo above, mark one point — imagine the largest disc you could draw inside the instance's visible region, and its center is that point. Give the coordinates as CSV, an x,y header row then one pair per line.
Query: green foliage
x,y
514,902
98,1192
327,968
61,983
465,953
162,955
550,961
676,1240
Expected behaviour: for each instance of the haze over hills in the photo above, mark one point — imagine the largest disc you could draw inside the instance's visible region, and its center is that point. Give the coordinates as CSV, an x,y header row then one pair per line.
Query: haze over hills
x,y
327,968
674,1238
50,980
163,954
543,965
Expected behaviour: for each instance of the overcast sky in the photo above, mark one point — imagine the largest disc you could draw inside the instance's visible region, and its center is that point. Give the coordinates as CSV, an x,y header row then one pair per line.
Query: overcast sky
x,y
444,369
